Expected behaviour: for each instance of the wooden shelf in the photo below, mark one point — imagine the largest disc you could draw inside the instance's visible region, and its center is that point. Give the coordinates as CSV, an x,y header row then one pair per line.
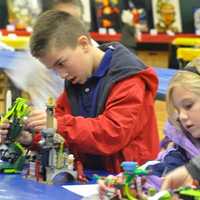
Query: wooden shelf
x,y
145,37
154,58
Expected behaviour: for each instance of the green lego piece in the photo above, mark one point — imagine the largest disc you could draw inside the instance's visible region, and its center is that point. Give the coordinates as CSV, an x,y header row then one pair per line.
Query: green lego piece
x,y
151,191
16,115
19,110
190,192
17,164
10,171
166,196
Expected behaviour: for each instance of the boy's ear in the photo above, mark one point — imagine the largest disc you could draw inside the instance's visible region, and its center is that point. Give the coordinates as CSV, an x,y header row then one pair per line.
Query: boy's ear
x,y
83,42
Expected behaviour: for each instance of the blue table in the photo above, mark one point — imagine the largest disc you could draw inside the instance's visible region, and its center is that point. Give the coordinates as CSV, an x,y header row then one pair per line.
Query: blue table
x,y
164,74
14,187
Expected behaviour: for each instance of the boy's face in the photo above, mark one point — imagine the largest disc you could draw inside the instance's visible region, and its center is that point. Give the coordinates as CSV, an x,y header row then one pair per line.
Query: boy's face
x,y
73,64
187,105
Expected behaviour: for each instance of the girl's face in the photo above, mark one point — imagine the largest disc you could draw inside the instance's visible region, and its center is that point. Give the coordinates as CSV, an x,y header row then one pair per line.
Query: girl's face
x,y
187,105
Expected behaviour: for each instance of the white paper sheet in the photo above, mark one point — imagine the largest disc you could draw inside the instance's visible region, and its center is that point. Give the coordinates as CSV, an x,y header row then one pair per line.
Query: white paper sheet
x,y
83,190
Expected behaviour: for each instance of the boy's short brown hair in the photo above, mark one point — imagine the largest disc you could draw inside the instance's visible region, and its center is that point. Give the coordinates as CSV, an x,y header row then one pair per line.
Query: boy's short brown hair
x,y
55,29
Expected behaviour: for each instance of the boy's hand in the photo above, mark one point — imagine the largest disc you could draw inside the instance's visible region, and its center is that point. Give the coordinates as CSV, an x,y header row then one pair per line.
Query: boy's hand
x,y
37,120
25,138
177,178
3,131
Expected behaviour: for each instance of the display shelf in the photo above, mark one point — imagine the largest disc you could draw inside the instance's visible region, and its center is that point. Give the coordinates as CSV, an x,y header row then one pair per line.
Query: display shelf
x,y
145,37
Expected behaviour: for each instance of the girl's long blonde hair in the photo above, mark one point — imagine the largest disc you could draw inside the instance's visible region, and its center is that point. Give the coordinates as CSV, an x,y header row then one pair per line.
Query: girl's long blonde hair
x,y
189,79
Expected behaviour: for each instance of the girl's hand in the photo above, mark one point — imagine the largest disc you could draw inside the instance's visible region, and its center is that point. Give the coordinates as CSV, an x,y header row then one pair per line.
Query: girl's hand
x,y
177,178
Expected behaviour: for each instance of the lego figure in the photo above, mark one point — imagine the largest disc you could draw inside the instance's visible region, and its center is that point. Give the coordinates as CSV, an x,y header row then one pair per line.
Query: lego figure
x,y
128,184
108,15
134,22
53,164
22,13
167,13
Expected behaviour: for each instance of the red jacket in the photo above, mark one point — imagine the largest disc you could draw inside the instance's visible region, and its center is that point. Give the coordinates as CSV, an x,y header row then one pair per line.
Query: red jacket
x,y
125,131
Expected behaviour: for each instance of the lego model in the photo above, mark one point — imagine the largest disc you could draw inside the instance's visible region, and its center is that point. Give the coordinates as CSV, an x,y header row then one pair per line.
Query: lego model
x,y
167,16
13,154
22,13
52,163
130,185
108,15
126,185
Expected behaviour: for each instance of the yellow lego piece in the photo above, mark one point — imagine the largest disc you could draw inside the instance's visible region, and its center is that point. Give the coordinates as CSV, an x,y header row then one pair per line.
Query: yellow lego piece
x,y
186,41
188,54
17,42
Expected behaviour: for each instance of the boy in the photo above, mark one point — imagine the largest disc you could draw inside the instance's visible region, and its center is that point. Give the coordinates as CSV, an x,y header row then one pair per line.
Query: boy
x,y
106,112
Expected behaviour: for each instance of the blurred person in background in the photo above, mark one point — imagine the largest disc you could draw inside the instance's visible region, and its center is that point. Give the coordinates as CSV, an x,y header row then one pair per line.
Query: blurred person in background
x,y
3,14
73,7
31,76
